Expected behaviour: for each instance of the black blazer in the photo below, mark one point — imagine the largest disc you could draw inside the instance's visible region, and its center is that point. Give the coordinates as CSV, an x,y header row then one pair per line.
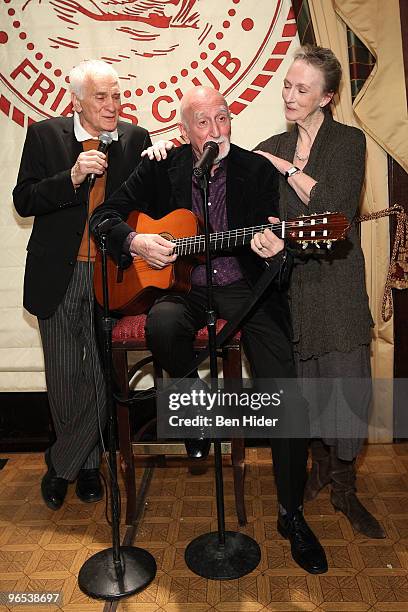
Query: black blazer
x,y
44,190
157,188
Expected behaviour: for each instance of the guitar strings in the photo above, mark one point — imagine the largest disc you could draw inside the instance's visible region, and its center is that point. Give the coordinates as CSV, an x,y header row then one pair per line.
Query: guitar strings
x,y
190,243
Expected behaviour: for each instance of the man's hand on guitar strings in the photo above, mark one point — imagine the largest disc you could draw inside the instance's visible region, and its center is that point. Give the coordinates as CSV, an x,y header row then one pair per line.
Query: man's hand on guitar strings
x,y
154,249
158,150
266,244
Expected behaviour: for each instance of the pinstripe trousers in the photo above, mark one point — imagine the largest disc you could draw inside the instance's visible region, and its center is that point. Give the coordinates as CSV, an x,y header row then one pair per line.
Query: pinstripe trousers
x,y
75,383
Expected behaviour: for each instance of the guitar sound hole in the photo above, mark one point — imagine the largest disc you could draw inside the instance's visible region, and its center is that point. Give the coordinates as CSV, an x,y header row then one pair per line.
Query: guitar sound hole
x,y
167,235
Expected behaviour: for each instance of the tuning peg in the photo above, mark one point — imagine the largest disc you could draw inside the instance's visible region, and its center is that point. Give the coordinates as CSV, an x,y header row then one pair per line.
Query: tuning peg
x,y
316,244
329,244
304,245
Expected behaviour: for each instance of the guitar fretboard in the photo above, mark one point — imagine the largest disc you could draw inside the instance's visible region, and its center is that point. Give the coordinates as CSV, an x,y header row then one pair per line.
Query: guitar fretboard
x,y
219,241
321,228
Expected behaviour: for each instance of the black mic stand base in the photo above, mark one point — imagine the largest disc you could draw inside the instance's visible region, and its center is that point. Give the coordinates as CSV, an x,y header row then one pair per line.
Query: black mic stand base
x,y
237,557
99,578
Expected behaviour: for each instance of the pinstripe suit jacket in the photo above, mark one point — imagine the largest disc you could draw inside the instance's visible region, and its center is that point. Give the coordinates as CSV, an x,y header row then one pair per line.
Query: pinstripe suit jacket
x,y
44,190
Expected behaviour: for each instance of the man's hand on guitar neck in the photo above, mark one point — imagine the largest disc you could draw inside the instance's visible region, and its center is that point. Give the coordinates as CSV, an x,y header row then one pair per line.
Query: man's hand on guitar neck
x,y
266,244
154,249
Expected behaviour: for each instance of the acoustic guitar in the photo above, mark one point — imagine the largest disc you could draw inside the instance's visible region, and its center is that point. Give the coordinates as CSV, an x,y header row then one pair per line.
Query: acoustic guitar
x,y
134,289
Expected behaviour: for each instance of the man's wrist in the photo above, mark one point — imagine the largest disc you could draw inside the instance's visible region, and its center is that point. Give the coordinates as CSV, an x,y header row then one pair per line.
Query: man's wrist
x,y
74,183
281,256
128,241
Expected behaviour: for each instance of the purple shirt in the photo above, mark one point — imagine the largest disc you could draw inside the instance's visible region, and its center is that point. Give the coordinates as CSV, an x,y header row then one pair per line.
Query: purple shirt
x,y
225,270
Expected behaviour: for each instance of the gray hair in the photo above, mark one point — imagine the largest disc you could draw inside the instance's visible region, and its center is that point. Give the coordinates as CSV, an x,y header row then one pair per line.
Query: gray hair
x,y
182,114
325,60
89,68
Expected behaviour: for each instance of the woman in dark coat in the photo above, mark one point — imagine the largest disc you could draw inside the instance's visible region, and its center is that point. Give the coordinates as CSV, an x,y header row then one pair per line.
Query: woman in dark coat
x,y
322,165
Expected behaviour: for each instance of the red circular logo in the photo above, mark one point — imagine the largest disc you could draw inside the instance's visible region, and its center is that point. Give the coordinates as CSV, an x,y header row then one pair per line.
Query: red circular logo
x,y
160,48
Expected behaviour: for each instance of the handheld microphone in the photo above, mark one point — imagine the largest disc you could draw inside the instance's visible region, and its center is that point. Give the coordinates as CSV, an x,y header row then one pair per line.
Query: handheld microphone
x,y
210,153
104,141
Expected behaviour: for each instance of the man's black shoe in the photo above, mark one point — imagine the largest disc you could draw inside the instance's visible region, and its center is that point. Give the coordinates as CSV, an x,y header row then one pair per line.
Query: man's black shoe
x,y
305,547
89,487
53,488
197,448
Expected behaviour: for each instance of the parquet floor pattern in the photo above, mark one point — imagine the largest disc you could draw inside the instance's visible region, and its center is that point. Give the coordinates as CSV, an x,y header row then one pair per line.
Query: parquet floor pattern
x,y
41,550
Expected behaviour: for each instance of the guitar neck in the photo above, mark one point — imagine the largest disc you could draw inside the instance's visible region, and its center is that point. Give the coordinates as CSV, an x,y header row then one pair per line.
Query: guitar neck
x,y
219,241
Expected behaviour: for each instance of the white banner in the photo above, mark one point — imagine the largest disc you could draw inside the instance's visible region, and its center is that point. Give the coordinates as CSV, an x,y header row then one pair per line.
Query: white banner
x,y
160,48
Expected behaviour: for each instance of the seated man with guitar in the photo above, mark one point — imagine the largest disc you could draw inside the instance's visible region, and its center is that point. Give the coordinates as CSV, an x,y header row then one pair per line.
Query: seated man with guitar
x,y
243,192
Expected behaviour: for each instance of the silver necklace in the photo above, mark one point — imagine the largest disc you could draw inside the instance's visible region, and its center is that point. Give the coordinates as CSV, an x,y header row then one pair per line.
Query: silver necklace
x,y
301,157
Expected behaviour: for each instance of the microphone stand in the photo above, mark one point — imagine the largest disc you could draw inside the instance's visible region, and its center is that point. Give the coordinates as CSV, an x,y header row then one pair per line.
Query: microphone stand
x,y
218,555
118,571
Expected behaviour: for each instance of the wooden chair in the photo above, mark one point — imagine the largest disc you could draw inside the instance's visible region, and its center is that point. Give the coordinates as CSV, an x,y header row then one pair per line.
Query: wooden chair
x,y
129,335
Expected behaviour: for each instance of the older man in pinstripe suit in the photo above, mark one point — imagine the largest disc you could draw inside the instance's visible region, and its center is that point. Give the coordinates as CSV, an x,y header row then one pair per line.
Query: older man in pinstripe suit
x,y
59,154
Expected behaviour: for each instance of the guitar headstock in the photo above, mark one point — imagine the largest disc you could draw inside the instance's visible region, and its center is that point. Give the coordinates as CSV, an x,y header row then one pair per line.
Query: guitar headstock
x,y
317,229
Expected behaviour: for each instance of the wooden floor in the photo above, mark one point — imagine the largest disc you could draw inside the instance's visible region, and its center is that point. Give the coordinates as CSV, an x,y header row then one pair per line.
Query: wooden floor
x,y
41,550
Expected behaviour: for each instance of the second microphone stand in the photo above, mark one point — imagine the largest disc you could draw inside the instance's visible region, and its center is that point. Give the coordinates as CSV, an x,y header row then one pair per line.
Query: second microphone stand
x,y
118,571
218,555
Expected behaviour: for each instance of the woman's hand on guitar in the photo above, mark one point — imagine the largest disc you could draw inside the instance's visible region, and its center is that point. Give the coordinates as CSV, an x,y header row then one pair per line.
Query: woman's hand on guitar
x,y
154,249
266,244
159,150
